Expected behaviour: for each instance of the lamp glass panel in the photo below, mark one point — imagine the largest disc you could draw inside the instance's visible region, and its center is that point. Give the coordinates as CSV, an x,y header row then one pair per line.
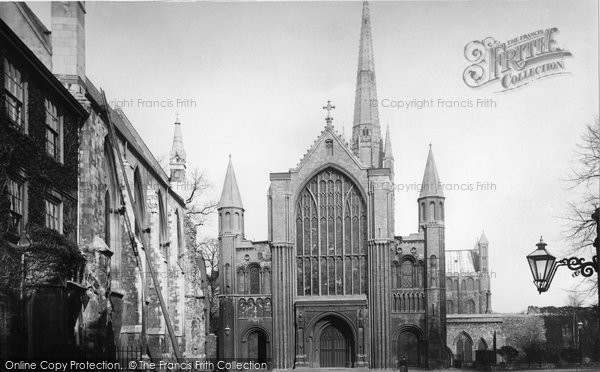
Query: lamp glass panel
x,y
549,265
533,267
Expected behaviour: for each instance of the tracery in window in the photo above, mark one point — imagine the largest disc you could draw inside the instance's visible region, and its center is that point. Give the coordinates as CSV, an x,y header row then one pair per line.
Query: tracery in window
x,y
331,236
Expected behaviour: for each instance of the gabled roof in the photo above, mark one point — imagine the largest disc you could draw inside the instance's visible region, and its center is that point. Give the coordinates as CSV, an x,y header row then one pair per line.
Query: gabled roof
x,y
230,196
329,130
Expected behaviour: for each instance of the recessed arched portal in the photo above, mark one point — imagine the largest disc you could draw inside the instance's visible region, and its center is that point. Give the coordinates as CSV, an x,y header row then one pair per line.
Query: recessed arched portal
x,y
334,343
408,347
256,345
408,341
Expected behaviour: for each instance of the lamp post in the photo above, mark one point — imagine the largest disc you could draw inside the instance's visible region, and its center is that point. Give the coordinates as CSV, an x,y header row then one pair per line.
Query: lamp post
x,y
543,265
579,327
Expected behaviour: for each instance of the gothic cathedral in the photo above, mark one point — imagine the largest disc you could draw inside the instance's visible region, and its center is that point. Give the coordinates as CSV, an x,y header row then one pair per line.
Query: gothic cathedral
x,y
334,286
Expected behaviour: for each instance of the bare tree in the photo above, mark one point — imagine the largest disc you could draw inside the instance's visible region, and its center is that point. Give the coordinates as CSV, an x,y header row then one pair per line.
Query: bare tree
x,y
575,298
584,181
210,251
195,188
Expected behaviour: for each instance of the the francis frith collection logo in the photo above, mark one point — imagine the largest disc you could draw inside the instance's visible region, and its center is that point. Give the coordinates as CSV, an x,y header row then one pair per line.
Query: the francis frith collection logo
x,y
516,62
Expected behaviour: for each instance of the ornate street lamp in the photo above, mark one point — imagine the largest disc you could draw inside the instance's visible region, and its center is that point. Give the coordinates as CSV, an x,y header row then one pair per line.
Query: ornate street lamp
x,y
543,265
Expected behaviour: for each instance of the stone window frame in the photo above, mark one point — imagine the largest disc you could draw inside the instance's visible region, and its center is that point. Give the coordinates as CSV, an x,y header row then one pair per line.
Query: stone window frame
x,y
21,181
54,131
14,93
53,220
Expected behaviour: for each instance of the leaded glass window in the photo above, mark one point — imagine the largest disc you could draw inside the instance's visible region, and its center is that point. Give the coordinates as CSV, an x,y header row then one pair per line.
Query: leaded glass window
x,y
331,236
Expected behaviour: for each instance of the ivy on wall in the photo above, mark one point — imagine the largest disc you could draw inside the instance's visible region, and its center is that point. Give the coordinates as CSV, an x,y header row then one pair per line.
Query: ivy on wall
x,y
50,259
27,151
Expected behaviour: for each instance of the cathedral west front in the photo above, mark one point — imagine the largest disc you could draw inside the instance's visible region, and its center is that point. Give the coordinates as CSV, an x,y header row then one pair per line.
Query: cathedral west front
x,y
333,286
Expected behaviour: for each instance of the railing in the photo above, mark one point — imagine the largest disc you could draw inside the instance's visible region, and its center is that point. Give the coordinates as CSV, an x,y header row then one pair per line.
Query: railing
x,y
408,300
127,354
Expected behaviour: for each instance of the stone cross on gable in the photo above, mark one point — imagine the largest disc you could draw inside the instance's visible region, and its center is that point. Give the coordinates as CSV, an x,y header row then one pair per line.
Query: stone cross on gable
x,y
329,107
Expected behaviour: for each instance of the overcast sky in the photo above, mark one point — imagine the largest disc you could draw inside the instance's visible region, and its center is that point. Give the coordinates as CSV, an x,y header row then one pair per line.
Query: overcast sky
x,y
259,73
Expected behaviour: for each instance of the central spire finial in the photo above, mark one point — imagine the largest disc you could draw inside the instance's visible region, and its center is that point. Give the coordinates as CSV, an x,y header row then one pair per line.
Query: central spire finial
x,y
329,107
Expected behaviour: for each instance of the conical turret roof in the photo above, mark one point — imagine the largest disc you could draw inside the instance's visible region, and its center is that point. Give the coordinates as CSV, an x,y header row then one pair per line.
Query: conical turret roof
x,y
230,196
431,185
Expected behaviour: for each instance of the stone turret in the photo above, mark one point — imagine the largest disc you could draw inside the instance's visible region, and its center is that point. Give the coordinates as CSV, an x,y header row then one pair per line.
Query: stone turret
x,y
431,198
231,232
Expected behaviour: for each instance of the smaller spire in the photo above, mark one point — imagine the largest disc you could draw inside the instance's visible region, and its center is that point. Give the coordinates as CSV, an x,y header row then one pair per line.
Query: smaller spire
x,y
177,158
483,239
177,150
230,196
388,144
431,185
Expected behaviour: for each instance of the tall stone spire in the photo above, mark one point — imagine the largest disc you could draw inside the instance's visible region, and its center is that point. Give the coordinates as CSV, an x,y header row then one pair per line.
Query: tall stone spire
x,y
366,132
230,196
177,157
431,187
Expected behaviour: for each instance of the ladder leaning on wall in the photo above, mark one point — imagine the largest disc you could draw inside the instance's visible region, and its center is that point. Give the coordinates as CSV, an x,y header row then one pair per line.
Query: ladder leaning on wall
x,y
135,241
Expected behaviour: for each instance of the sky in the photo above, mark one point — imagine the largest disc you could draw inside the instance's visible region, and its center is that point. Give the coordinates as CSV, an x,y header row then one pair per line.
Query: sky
x,y
250,79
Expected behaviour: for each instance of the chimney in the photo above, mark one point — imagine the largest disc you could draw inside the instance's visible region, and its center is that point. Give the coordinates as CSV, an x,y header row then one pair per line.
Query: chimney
x,y
68,42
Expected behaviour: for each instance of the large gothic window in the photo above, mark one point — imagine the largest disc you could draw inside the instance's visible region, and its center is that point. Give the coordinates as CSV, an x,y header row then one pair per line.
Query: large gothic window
x,y
331,236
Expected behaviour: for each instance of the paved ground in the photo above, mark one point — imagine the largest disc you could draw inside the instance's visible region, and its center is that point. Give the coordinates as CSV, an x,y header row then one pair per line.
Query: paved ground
x,y
575,369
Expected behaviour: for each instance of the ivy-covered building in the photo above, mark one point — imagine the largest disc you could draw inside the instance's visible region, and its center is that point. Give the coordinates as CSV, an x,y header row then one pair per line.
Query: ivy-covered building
x,y
142,289
41,266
